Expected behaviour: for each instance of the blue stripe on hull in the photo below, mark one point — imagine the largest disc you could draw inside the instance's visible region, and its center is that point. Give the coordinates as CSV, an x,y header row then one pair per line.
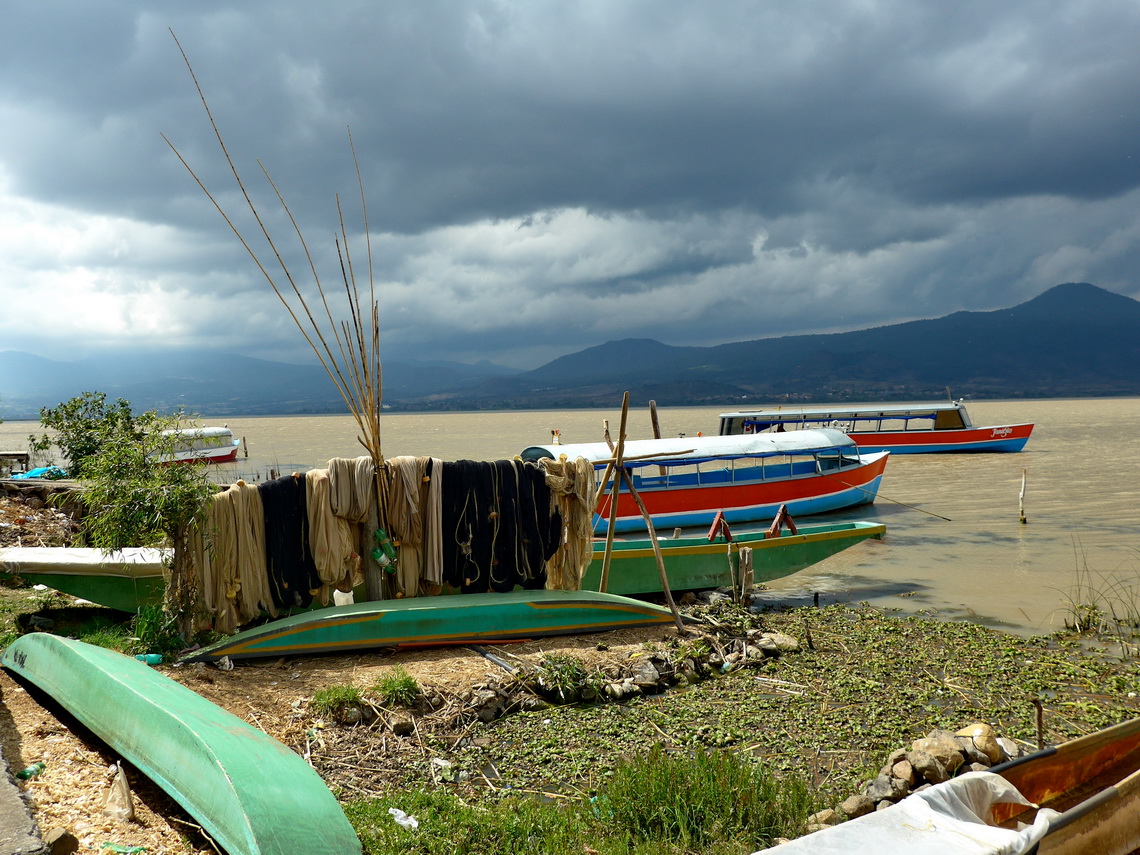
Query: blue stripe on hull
x,y
943,447
752,513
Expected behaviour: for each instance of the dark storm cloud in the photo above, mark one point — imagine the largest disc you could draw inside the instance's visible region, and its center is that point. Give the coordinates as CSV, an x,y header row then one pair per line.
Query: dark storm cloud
x,y
543,176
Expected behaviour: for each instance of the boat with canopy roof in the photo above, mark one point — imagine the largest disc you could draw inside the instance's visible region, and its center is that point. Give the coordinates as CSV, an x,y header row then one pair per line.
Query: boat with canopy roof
x,y
685,481
899,428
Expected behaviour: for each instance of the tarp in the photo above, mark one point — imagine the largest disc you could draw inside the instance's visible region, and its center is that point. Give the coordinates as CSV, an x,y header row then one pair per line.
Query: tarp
x,y
947,819
696,449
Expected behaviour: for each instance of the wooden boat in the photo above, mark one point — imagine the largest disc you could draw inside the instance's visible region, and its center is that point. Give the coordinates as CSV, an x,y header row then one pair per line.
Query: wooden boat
x,y
687,481
1080,797
123,579
445,620
1092,782
695,563
898,428
208,444
252,794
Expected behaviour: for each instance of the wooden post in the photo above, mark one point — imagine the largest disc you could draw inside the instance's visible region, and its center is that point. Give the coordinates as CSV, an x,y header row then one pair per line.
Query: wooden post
x,y
1021,499
656,429
617,470
656,551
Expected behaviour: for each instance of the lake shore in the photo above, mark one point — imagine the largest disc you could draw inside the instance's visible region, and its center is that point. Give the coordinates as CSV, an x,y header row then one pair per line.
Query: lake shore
x,y
862,683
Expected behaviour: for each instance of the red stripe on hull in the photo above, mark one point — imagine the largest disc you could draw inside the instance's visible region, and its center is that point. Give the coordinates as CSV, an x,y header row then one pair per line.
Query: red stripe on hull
x,y
672,500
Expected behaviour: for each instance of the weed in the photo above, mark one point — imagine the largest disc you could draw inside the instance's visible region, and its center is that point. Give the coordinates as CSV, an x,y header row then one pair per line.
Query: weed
x,y
694,799
397,689
336,701
156,631
565,678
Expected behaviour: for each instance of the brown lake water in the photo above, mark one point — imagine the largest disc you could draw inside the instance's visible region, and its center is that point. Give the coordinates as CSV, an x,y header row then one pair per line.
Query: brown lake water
x,y
955,545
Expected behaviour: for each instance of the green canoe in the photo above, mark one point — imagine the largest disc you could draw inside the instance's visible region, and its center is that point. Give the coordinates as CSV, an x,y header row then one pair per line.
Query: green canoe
x,y
693,563
122,579
437,621
251,793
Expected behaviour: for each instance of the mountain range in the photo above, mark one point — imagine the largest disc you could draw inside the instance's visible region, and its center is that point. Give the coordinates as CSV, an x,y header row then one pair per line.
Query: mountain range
x,y
1074,340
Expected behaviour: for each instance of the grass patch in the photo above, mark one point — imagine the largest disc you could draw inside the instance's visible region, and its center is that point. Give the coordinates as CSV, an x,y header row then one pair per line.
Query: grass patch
x,y
660,804
397,689
103,632
696,798
335,701
1105,605
156,632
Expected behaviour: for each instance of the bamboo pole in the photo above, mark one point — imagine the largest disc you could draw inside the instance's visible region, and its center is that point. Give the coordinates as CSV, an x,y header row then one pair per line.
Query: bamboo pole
x,y
656,429
605,580
656,551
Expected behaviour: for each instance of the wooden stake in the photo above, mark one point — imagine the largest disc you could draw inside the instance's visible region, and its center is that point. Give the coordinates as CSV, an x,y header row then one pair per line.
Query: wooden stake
x,y
656,428
1021,499
605,580
656,549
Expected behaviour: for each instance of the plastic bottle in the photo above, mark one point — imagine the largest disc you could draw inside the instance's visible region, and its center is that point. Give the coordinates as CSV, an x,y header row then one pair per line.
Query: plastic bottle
x,y
149,658
31,771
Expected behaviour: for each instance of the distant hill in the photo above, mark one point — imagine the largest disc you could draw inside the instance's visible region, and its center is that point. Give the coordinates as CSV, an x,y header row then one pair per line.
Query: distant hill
x,y
207,383
1074,340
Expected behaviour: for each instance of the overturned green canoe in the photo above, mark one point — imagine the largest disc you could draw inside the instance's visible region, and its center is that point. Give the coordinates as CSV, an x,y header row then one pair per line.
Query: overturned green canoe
x,y
249,792
122,579
436,621
693,563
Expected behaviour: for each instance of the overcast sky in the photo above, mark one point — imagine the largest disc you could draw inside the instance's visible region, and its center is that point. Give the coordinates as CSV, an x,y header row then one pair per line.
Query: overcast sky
x,y
540,177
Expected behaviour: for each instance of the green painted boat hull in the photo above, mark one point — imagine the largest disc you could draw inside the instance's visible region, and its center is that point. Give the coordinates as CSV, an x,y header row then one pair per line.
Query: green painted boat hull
x,y
124,579
438,621
251,793
693,563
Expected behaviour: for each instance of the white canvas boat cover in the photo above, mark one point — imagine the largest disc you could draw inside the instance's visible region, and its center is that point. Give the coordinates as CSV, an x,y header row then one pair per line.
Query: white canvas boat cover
x,y
133,561
695,449
947,819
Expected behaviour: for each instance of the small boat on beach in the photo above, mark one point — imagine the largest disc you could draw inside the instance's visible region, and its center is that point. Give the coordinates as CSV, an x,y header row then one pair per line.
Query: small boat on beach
x,y
686,481
898,428
1076,798
695,563
204,444
122,579
251,793
440,621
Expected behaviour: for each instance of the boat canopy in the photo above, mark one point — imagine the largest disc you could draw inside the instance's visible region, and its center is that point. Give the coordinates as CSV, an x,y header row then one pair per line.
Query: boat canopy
x,y
698,449
942,415
200,433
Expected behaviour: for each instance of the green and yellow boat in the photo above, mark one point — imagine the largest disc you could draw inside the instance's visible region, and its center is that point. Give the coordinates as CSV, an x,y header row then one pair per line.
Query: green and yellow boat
x,y
694,563
453,619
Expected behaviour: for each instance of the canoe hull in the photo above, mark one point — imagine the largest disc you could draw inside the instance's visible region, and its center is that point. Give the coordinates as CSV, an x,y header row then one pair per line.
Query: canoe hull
x,y
692,563
250,792
745,500
124,579
444,620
